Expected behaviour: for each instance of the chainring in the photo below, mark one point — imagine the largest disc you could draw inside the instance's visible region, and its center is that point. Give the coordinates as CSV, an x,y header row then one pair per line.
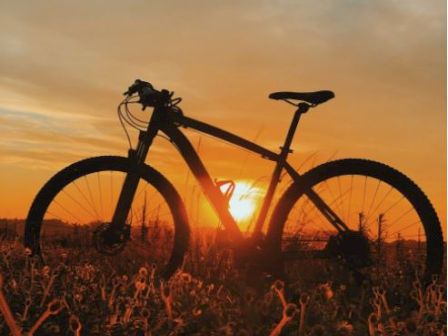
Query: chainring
x,y
352,246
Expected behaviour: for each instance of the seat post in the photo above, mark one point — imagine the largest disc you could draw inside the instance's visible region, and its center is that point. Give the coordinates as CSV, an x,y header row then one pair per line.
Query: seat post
x,y
303,108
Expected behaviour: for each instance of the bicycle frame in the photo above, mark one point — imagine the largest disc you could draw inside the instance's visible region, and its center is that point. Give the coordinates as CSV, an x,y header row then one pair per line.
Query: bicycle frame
x,y
168,122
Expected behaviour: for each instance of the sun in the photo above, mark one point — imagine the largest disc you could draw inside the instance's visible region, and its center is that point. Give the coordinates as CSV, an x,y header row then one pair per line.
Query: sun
x,y
241,209
243,203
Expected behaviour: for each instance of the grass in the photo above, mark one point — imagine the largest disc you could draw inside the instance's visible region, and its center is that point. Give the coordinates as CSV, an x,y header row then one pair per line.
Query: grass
x,y
80,292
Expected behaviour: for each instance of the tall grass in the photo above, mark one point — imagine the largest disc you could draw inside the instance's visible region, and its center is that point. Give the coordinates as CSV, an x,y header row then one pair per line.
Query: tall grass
x,y
79,292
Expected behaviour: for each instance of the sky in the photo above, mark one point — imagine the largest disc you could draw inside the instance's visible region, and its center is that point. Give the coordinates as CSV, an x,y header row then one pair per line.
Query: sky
x,y
65,64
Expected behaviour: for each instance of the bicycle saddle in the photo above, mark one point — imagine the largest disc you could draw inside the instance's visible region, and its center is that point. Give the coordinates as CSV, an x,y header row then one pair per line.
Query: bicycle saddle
x,y
313,98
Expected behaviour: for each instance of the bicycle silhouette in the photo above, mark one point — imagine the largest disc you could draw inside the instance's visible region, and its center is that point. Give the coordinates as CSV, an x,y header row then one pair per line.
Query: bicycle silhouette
x,y
344,208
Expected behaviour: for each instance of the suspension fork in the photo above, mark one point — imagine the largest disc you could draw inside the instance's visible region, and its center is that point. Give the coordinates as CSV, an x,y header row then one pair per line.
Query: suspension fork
x,y
136,157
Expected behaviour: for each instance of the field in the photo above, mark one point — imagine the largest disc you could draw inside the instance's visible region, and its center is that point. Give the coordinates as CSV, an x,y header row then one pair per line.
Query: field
x,y
80,292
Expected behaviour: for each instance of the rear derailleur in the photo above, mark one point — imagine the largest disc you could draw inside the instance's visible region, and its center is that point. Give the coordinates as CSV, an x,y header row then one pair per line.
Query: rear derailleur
x,y
350,246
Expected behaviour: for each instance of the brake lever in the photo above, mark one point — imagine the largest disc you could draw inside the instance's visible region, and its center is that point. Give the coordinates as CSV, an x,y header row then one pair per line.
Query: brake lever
x,y
145,92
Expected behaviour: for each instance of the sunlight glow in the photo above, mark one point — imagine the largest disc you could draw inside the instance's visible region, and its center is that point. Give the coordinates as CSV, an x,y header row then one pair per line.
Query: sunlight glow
x,y
243,203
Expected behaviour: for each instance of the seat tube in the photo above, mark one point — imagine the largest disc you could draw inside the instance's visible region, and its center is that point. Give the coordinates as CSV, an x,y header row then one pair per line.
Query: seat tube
x,y
285,150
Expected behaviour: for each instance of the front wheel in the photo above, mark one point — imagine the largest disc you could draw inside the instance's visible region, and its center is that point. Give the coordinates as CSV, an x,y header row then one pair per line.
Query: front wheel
x,y
392,224
77,204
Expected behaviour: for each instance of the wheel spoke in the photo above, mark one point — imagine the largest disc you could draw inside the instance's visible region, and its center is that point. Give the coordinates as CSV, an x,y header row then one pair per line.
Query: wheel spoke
x,y
77,202
401,216
92,206
409,226
332,196
393,205
91,197
340,191
364,194
381,202
67,211
350,200
101,196
373,199
111,187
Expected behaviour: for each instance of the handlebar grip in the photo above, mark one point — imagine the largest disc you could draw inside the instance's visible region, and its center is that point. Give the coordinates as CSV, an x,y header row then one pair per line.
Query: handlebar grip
x,y
131,89
137,86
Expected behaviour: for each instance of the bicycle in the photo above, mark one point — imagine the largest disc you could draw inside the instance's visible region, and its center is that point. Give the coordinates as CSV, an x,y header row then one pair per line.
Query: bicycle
x,y
345,195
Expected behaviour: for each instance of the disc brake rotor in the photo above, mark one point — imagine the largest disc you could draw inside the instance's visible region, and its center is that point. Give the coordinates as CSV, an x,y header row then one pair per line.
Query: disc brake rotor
x,y
109,242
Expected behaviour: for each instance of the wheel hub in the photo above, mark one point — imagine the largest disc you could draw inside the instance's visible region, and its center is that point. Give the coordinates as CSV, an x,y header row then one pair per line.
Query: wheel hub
x,y
110,241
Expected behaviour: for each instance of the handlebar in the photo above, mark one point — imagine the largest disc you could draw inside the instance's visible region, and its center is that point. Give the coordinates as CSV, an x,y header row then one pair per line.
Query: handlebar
x,y
149,97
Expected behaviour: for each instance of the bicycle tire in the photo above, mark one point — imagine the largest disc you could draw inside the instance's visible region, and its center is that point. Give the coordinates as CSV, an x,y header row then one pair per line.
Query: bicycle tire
x,y
397,180
39,207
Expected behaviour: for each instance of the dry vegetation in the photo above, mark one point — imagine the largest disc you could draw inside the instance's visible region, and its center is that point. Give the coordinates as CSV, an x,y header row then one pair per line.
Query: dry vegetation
x,y
80,292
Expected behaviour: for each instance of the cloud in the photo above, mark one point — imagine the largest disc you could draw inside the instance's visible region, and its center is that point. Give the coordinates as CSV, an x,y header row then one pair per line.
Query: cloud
x,y
33,136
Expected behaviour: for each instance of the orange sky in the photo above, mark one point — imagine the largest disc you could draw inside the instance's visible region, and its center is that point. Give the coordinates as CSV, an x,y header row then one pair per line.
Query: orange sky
x,y
64,67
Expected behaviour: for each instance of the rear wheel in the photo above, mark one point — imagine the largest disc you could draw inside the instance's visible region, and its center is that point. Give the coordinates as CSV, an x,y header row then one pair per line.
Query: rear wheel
x,y
71,214
392,224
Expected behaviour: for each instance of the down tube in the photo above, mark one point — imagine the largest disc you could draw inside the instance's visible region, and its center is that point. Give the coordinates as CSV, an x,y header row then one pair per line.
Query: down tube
x,y
211,191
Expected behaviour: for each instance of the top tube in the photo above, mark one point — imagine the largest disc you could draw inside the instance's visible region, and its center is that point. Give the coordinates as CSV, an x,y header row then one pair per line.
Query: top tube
x,y
225,135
